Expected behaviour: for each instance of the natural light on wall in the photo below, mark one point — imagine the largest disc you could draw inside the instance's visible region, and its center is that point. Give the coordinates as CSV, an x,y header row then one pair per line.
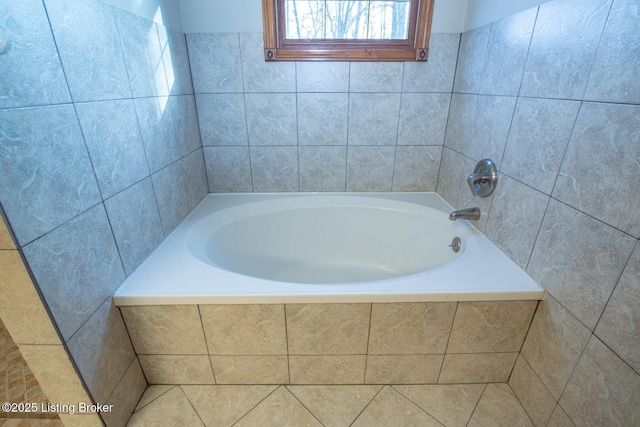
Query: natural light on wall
x,y
347,20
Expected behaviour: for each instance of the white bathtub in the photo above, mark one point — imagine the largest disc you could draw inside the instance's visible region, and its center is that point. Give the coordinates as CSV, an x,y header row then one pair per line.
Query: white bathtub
x,y
327,247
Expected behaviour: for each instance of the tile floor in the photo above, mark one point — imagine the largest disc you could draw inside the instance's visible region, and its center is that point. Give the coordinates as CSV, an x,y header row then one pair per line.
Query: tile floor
x,y
475,405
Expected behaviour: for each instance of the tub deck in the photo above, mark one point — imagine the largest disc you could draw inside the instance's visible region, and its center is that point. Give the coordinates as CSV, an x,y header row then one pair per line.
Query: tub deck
x,y
171,275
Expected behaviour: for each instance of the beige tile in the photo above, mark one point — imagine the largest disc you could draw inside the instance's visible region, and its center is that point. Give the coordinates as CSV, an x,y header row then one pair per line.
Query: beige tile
x,y
341,369
531,392
250,369
165,329
315,329
554,344
603,390
477,368
619,326
559,419
102,351
152,393
78,420
390,408
176,369
244,329
499,407
490,327
403,369
452,405
21,301
55,373
335,406
280,409
170,409
223,405
6,242
410,328
125,396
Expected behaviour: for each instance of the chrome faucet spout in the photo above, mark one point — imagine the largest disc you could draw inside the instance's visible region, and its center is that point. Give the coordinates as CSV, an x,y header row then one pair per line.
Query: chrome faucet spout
x,y
469,213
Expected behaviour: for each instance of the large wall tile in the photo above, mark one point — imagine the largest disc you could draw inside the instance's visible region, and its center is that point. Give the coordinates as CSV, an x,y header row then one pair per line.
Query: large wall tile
x,y
322,118
142,52
416,168
370,168
619,326
314,329
340,369
222,119
112,136
478,126
135,221
403,369
31,70
562,49
507,50
615,73
436,74
194,173
578,259
268,369
538,138
244,329
376,77
271,119
323,168
166,329
603,390
171,196
45,169
410,328
215,62
275,168
259,75
515,217
156,128
554,344
423,118
493,326
318,76
176,61
373,118
612,131
102,351
77,268
86,29
177,369
472,56
228,169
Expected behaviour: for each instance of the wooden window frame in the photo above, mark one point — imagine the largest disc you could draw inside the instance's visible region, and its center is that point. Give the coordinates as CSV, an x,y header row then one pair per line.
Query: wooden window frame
x,y
278,48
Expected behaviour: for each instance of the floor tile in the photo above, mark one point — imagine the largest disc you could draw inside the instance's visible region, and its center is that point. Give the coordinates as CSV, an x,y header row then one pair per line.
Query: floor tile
x,y
335,406
170,409
390,408
280,409
499,407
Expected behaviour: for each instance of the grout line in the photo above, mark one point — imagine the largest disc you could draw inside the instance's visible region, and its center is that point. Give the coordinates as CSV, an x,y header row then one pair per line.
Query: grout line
x,y
206,344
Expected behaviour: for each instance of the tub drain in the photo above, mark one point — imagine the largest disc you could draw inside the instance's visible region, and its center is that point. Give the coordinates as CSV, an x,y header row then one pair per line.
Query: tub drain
x,y
455,244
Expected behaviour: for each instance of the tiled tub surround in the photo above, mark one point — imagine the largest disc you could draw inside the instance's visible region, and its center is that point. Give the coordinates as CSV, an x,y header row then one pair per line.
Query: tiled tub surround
x,y
319,126
395,343
559,85
100,157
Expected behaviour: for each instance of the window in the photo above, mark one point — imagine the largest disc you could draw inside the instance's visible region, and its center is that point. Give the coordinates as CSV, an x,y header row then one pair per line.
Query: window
x,y
343,30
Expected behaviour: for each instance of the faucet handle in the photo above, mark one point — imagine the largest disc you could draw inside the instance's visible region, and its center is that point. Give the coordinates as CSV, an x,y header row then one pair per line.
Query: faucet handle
x,y
484,178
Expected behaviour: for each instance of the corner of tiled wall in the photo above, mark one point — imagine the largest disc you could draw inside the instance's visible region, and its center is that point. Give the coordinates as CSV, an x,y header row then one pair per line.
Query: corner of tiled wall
x,y
552,95
306,126
101,159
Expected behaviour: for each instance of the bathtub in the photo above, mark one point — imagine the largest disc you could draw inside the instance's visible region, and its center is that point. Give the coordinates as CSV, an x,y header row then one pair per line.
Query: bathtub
x,y
327,247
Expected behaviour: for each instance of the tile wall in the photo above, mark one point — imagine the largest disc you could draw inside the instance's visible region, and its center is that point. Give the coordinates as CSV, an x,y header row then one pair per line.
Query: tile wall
x,y
552,95
309,126
100,158
403,343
